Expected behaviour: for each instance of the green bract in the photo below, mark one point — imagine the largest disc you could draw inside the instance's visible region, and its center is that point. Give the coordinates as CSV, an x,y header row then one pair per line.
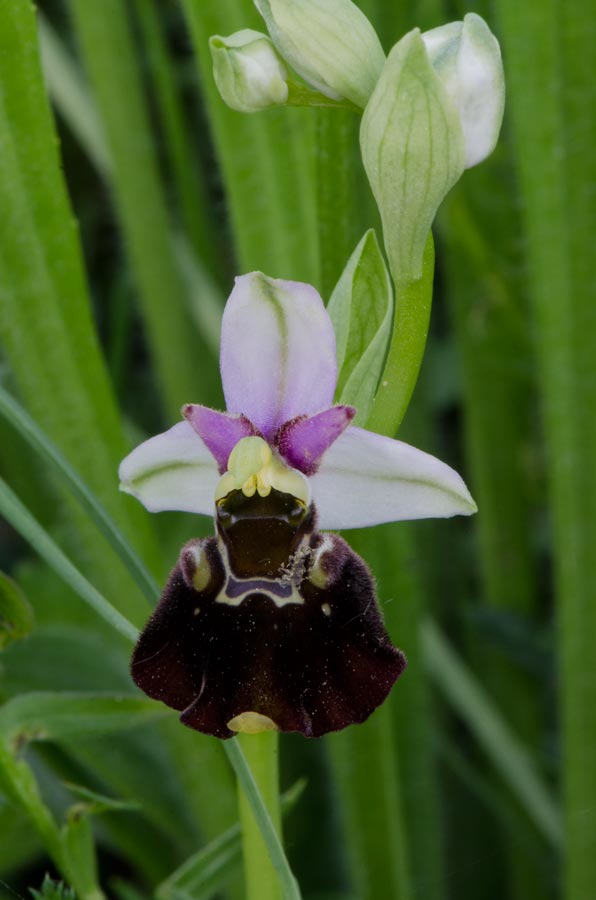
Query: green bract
x,y
413,151
332,46
248,73
361,309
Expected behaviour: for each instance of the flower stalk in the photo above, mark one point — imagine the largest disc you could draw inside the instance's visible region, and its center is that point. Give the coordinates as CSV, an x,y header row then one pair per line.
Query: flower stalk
x,y
262,754
410,329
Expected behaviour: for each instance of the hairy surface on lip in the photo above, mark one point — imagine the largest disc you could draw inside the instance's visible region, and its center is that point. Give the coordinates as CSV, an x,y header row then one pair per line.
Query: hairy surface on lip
x,y
313,663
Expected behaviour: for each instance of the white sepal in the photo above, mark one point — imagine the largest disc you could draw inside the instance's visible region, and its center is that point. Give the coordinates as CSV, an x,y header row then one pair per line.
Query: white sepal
x,y
366,479
173,470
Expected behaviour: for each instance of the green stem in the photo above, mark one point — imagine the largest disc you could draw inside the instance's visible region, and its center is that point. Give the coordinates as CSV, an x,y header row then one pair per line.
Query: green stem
x,y
262,755
19,784
410,328
256,771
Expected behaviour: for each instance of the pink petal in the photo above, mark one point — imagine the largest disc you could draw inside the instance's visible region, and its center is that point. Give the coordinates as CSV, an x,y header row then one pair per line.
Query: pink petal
x,y
220,432
303,441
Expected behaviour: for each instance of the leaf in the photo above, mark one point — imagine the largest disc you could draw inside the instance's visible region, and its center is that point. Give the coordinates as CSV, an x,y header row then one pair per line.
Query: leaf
x,y
46,323
95,804
50,453
29,528
361,309
53,890
66,658
58,716
79,852
16,615
508,754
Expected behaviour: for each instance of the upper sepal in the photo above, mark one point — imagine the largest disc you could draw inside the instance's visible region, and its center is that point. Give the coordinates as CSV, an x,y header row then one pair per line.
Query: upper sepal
x,y
277,351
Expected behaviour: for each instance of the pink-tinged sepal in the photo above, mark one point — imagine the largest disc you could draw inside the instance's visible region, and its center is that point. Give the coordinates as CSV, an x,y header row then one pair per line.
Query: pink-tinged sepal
x,y
220,432
303,441
277,351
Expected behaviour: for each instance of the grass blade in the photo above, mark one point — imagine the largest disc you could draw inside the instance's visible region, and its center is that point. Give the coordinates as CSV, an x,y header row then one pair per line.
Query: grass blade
x,y
50,716
109,54
30,431
266,160
46,325
507,754
23,522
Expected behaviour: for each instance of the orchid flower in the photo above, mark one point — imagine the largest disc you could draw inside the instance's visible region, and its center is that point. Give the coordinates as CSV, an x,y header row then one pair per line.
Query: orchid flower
x,y
272,624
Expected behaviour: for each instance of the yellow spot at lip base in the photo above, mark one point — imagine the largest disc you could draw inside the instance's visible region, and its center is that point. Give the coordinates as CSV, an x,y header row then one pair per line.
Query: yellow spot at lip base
x,y
254,468
251,723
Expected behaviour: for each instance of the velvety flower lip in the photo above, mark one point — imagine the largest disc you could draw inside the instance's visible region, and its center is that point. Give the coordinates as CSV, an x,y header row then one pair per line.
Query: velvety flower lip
x,y
312,666
272,624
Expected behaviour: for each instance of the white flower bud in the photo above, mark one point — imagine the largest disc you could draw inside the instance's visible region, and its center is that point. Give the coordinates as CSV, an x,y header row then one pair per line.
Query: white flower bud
x,y
332,45
467,59
248,72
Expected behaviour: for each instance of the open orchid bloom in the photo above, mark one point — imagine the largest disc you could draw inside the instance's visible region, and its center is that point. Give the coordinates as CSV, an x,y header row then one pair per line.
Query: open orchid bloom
x,y
272,624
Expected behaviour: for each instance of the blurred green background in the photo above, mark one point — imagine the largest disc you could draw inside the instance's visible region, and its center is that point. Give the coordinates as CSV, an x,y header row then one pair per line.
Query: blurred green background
x,y
119,240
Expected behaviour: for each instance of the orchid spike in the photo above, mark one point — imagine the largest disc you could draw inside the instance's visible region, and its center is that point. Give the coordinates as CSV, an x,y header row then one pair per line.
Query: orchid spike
x,y
272,624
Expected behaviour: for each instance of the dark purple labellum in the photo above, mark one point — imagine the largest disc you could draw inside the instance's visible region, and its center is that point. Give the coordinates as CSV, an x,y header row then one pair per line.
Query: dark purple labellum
x,y
271,618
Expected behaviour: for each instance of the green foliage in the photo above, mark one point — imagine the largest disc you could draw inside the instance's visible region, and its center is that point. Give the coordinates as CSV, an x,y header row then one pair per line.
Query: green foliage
x,y
361,309
53,890
16,615
170,194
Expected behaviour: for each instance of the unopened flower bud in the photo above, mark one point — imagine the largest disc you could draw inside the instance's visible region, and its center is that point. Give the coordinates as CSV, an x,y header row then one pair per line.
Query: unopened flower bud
x,y
413,151
248,72
332,45
467,58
